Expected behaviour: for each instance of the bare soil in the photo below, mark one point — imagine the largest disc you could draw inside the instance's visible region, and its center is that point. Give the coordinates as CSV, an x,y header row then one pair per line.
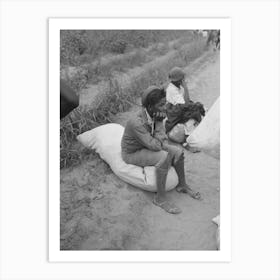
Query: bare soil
x,y
101,212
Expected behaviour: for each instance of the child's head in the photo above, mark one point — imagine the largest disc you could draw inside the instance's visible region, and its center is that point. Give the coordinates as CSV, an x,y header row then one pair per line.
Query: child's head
x,y
176,75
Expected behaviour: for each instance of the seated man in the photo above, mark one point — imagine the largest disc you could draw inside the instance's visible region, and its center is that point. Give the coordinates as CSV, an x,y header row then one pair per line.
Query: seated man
x,y
144,143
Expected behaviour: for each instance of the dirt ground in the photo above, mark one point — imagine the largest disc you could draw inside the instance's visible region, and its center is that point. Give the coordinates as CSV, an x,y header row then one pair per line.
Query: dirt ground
x,y
101,212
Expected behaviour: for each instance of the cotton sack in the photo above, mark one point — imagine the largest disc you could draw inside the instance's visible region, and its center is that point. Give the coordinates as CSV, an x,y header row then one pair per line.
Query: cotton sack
x,y
206,135
106,141
216,220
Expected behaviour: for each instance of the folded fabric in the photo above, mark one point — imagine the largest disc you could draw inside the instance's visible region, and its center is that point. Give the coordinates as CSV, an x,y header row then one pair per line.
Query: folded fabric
x,y
182,113
106,141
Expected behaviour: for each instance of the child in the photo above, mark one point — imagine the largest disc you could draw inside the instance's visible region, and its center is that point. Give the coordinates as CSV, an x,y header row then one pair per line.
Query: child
x,y
177,91
183,115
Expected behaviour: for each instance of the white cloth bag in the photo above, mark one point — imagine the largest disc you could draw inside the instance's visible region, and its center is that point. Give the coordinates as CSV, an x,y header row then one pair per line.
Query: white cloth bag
x,y
206,135
106,141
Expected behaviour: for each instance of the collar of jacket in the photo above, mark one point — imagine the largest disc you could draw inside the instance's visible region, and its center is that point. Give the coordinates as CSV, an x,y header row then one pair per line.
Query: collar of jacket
x,y
148,120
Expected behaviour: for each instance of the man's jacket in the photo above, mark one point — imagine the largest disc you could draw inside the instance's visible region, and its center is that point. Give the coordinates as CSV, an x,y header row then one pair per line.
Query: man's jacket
x,y
141,133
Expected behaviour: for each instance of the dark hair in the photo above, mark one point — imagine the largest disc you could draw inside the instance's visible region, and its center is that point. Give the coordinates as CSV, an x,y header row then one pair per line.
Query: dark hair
x,y
154,97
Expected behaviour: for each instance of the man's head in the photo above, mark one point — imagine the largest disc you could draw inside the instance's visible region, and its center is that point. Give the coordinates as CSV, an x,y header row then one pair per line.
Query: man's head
x,y
153,99
176,76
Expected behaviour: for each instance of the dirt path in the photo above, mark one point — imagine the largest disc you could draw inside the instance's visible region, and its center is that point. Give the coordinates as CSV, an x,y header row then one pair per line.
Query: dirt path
x,y
101,212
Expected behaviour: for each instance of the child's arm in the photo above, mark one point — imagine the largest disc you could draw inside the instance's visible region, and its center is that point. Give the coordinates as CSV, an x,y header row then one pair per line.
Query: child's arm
x,y
186,91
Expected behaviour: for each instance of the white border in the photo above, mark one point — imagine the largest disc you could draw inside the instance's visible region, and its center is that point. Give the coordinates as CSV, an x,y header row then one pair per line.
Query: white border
x,y
55,255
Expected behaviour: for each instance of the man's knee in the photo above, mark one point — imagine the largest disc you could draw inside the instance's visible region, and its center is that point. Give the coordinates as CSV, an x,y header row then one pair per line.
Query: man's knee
x,y
163,155
164,160
176,153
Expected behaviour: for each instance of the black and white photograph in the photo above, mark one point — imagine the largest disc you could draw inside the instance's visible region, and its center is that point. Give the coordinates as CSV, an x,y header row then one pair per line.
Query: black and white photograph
x,y
139,164
140,139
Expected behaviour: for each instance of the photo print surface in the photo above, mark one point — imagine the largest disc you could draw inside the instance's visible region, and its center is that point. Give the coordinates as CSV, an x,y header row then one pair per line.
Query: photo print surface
x,y
139,159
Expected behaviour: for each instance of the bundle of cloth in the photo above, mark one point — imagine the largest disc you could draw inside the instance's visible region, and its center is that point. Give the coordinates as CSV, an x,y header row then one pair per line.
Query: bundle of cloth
x,y
182,120
182,114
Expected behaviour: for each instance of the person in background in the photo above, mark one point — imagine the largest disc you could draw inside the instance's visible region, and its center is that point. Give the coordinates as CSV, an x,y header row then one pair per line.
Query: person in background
x,y
177,91
145,143
183,115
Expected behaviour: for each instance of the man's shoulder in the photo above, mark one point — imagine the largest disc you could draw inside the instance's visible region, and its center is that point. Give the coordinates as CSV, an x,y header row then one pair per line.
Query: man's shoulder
x,y
135,121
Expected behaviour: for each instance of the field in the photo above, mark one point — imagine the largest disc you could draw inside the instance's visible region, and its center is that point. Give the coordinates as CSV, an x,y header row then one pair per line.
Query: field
x,y
98,210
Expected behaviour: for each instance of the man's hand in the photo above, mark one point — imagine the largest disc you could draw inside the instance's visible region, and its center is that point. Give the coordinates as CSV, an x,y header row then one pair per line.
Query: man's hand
x,y
160,131
184,84
187,95
159,116
162,137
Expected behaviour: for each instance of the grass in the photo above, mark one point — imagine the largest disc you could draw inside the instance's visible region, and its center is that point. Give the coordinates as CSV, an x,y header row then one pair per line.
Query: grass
x,y
118,98
97,43
89,67
99,71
